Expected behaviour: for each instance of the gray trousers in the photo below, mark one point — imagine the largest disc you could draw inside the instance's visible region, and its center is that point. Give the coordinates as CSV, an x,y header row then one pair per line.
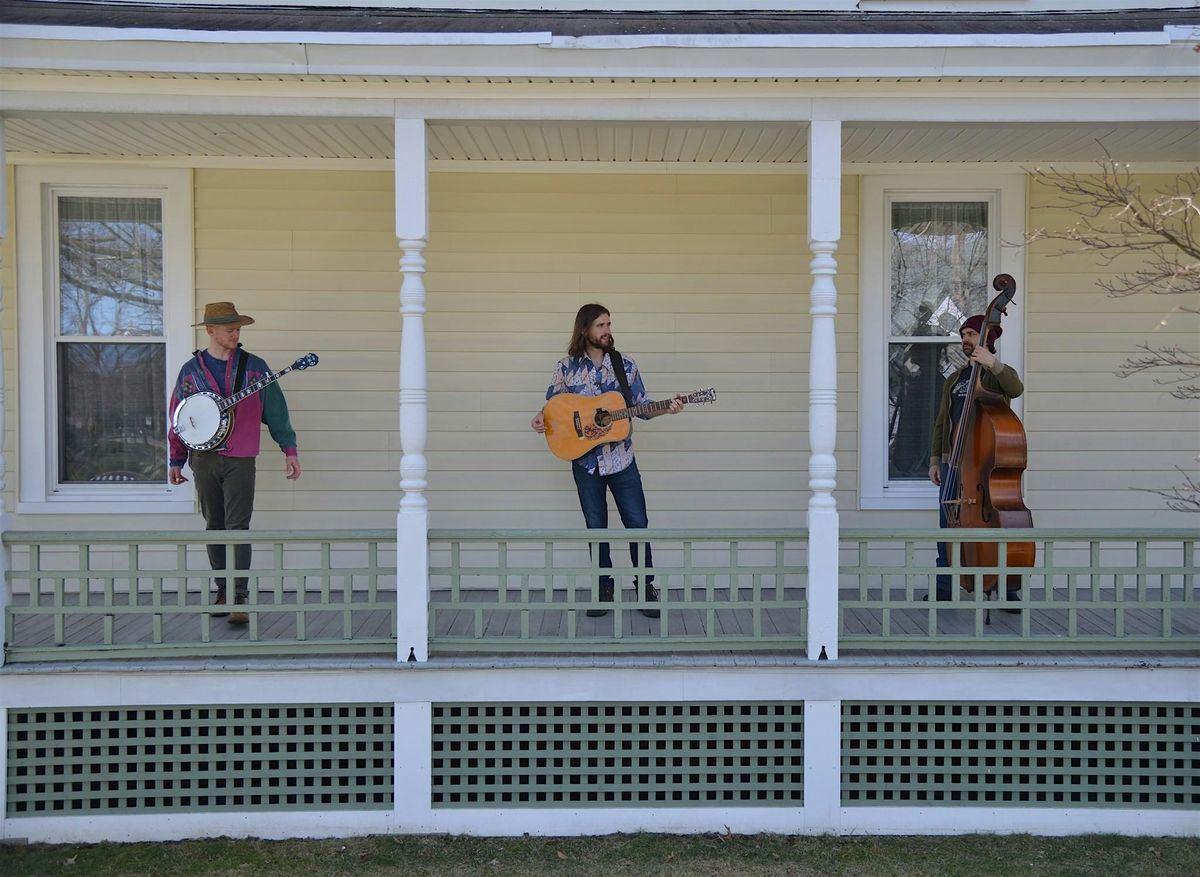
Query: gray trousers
x,y
225,487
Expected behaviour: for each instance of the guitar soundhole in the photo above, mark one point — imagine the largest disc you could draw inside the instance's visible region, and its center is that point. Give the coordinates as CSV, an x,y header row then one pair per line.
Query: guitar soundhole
x,y
602,422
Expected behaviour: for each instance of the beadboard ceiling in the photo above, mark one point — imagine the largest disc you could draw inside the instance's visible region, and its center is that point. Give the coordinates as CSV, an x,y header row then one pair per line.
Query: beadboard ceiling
x,y
162,137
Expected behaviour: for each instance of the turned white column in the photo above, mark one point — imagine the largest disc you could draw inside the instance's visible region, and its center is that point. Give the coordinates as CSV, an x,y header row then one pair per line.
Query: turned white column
x,y
824,231
412,521
5,554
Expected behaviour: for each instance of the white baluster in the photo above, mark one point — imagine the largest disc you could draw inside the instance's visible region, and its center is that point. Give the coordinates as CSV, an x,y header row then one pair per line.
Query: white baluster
x,y
412,520
824,224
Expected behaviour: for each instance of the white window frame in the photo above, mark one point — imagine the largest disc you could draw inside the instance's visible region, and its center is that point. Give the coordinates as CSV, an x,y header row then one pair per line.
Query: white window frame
x,y
1006,195
36,187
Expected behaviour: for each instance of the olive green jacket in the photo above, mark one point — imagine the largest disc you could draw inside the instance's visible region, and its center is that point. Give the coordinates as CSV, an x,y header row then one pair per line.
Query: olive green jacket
x,y
1000,378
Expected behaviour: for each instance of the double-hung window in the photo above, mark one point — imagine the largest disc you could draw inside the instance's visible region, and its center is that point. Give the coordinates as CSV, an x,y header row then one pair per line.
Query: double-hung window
x,y
930,251
104,292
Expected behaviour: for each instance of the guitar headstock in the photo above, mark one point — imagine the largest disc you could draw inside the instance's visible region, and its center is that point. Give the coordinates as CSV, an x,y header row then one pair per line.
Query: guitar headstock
x,y
701,397
305,361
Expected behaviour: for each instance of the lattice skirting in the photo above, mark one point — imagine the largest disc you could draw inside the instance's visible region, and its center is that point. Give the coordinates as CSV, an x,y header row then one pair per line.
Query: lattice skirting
x,y
618,754
199,758
505,755
1137,755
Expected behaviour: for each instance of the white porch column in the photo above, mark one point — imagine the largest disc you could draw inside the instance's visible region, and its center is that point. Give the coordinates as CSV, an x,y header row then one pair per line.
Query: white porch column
x,y
5,554
824,231
412,521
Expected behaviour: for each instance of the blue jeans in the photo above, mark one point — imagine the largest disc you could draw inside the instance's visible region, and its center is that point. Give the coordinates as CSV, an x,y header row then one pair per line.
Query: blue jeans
x,y
626,487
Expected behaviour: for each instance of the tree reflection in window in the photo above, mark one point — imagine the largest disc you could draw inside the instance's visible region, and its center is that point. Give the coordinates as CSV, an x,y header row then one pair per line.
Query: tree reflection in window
x,y
939,276
112,394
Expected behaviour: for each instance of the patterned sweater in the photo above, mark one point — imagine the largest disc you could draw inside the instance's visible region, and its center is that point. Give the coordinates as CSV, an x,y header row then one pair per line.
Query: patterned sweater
x,y
266,406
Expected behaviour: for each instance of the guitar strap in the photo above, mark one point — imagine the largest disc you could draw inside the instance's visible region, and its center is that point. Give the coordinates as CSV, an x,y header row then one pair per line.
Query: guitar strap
x,y
618,365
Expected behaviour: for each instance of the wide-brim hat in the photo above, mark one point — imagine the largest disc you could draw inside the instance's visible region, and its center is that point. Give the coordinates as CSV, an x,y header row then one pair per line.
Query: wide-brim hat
x,y
223,313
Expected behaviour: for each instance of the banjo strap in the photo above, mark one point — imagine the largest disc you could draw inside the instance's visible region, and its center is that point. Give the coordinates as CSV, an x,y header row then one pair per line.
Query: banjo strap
x,y
241,371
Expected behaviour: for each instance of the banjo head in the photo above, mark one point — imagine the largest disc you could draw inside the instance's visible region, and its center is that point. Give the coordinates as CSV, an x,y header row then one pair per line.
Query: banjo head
x,y
199,421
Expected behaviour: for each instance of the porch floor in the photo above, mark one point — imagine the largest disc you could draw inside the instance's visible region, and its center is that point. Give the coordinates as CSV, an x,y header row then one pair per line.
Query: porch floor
x,y
500,622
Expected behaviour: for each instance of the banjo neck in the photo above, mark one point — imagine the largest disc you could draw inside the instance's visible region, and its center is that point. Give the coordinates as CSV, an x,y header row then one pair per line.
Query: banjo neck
x,y
253,387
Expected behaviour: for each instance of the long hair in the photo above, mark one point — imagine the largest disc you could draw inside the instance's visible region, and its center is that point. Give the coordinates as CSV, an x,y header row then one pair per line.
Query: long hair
x,y
587,315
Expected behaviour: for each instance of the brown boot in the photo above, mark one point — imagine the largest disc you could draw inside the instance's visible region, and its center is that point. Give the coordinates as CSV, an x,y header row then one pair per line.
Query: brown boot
x,y
220,601
239,617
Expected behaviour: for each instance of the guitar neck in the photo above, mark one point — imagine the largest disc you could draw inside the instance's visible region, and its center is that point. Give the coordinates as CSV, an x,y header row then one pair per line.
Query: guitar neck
x,y
644,408
251,389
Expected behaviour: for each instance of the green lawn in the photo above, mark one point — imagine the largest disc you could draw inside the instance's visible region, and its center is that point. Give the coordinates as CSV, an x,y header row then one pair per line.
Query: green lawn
x,y
628,854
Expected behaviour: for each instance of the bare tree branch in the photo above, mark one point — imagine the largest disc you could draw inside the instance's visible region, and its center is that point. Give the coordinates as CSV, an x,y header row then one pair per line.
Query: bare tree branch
x,y
1183,497
1116,220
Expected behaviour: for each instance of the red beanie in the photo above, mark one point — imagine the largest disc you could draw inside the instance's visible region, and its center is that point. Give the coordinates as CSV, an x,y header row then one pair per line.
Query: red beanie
x,y
975,323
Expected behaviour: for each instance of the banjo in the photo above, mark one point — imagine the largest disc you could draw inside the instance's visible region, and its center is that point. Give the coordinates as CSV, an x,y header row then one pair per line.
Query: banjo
x,y
203,420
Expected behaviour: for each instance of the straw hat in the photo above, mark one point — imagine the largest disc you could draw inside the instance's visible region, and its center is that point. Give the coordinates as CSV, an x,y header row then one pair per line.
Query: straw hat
x,y
223,313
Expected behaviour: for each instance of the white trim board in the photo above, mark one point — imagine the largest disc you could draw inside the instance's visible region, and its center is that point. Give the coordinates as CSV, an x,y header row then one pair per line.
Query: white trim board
x,y
1007,193
37,495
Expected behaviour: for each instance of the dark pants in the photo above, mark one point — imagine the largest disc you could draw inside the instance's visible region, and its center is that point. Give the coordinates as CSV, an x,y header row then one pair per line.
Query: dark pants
x,y
225,486
626,487
943,554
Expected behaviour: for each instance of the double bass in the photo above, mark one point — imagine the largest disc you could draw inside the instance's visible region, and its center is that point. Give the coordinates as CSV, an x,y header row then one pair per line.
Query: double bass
x,y
987,460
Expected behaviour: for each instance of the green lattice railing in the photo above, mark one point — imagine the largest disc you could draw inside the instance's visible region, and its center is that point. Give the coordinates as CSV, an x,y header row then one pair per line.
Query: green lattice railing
x,y
524,590
88,595
1099,590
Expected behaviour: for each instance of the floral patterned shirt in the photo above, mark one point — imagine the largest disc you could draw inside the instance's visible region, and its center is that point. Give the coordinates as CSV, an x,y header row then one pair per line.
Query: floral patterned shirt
x,y
579,375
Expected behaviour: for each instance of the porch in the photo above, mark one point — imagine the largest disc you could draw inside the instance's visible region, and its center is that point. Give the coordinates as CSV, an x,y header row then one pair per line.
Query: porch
x,y
95,595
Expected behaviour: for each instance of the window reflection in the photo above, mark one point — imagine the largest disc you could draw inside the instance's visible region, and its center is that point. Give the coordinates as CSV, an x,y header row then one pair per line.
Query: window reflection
x,y
112,412
110,266
939,277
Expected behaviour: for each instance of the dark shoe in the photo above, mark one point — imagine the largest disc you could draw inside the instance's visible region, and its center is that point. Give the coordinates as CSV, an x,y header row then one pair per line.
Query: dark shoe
x,y
1012,610
651,597
606,596
220,601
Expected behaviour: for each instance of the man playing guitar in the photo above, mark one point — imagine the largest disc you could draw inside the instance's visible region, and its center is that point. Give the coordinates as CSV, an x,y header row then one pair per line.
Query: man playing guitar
x,y
589,370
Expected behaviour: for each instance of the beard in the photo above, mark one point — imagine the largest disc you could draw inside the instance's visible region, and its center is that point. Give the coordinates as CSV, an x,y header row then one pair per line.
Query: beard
x,y
602,342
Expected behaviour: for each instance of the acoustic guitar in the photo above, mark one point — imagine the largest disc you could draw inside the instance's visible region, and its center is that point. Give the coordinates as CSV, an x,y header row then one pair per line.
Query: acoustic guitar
x,y
204,420
576,424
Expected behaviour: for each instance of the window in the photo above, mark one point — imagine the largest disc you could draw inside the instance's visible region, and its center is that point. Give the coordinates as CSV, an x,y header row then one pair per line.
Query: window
x,y
929,255
104,291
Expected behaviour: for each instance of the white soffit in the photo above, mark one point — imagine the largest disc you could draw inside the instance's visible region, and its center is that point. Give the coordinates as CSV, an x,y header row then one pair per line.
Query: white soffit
x,y
774,143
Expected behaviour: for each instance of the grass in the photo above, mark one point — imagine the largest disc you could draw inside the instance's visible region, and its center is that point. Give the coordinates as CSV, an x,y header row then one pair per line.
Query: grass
x,y
623,854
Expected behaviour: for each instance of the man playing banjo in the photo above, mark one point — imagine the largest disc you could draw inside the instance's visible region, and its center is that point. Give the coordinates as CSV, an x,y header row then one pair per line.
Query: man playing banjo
x,y
225,473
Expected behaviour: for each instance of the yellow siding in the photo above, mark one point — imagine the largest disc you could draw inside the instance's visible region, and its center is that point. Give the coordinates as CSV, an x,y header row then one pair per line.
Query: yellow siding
x,y
1094,438
707,278
311,255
